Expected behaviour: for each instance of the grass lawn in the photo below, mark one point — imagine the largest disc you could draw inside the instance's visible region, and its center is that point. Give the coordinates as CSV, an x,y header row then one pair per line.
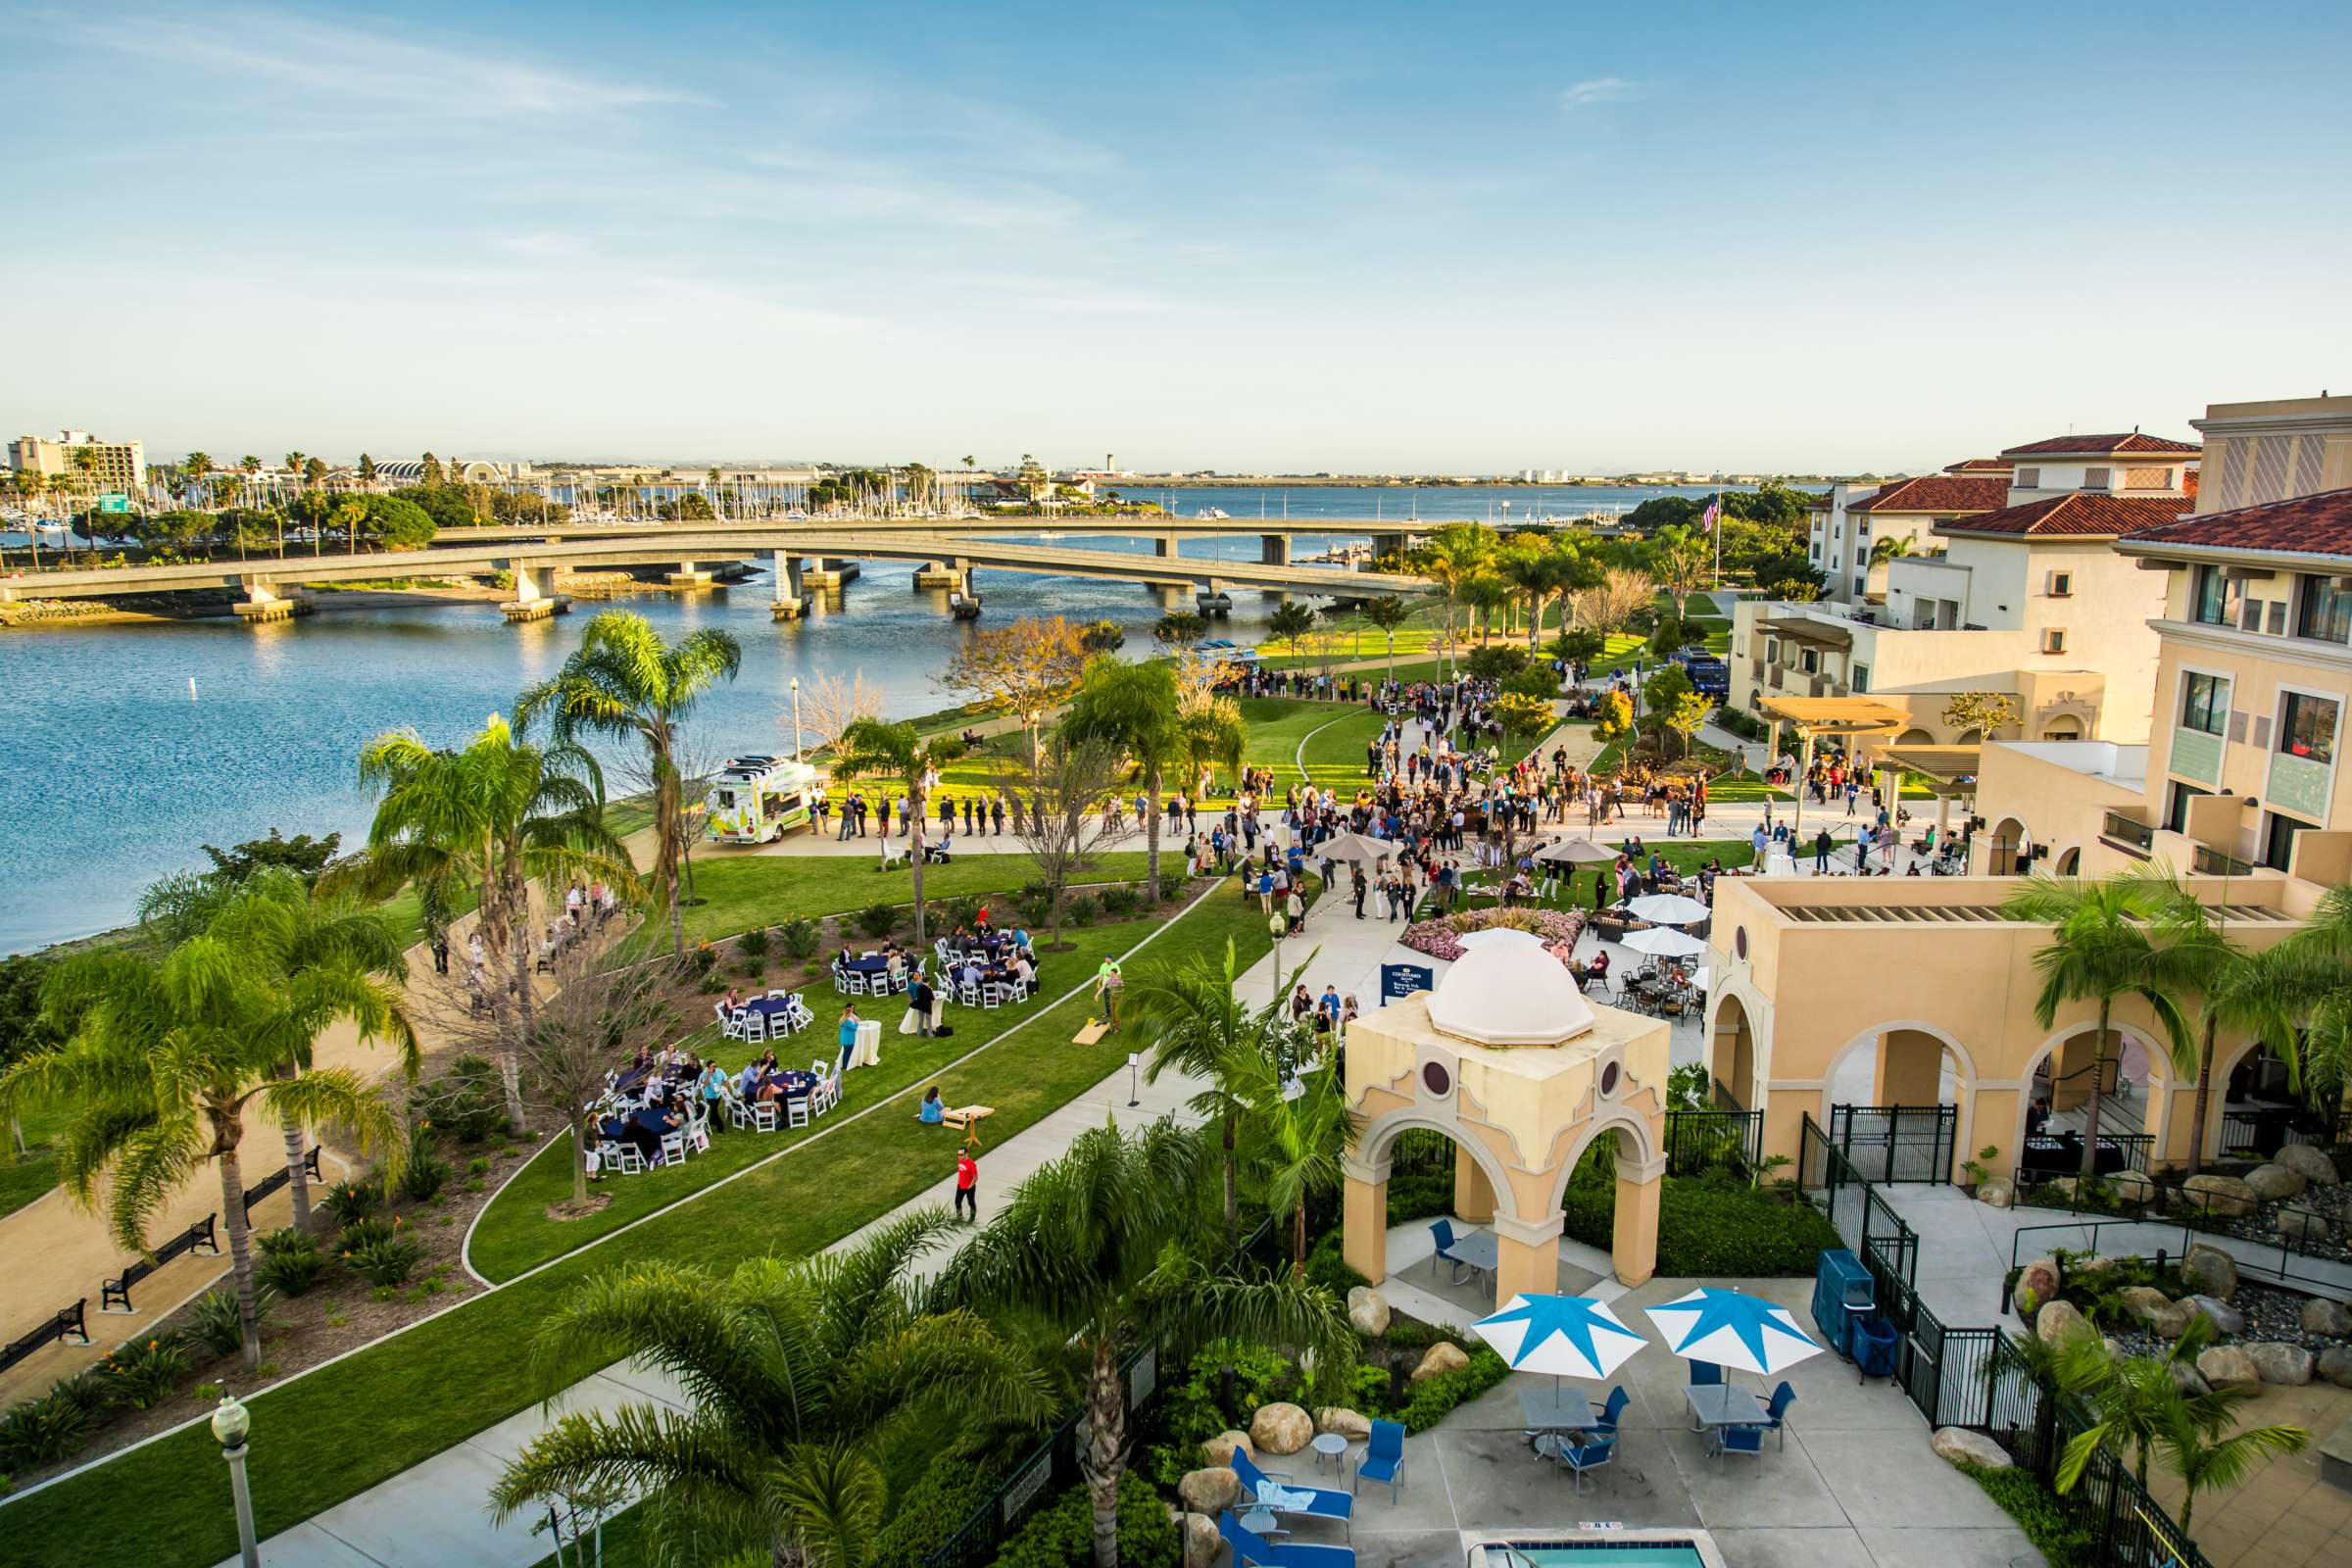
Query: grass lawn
x,y
322,1437
1686,855
26,1177
741,890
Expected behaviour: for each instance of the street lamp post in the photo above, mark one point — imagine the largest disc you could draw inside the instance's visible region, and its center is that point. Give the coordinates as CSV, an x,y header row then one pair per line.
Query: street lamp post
x,y
1279,926
796,718
230,1423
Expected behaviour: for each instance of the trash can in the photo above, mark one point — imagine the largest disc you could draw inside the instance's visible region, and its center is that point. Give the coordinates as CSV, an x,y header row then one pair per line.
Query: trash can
x,y
1843,1291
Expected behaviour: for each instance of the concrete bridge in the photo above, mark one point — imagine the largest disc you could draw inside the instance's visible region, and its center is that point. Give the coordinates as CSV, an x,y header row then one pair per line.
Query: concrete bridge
x,y
800,555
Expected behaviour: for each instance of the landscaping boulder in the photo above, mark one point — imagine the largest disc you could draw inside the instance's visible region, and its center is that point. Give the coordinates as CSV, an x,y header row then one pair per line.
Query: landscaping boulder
x,y
2271,1183
2299,1224
2219,1195
2133,1187
2331,1319
2058,1321
2036,1285
2097,1263
2164,1317
2314,1165
1441,1357
2187,1379
1349,1424
2226,1366
2335,1365
1280,1428
2227,1318
1202,1546
2211,1270
1220,1449
1959,1446
1996,1193
1210,1492
1368,1311
2289,1365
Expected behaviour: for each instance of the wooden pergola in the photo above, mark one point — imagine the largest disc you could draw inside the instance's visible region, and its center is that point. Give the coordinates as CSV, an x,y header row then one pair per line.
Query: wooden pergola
x,y
1824,716
1949,771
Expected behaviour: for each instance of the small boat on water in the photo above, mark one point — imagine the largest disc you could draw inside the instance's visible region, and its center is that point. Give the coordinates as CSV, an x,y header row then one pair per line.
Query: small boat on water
x,y
1213,514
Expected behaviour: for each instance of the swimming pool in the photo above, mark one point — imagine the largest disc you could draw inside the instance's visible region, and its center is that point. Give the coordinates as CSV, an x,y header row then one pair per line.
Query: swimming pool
x,y
1676,1550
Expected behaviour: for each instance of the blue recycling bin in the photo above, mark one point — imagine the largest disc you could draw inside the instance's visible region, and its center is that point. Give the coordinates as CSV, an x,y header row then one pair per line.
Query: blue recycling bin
x,y
1876,1344
1843,1291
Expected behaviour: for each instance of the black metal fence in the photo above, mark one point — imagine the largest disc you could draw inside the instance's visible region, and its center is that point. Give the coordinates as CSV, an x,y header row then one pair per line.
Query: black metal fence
x,y
1714,1140
1870,1228
1897,1143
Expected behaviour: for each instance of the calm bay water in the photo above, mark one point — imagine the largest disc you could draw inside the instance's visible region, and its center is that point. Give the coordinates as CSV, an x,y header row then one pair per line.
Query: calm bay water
x,y
114,772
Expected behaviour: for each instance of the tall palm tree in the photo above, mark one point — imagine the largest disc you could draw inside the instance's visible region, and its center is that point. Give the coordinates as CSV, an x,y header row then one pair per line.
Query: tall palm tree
x,y
1135,707
1086,1246
796,1370
2195,1450
293,465
2313,971
1892,547
1298,1130
2103,947
624,681
897,752
1454,556
281,924
1209,733
490,818
161,1057
2237,989
2133,1396
195,469
29,484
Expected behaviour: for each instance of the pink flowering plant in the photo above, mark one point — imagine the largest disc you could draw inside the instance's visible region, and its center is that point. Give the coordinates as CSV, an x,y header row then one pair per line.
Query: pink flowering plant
x,y
1558,930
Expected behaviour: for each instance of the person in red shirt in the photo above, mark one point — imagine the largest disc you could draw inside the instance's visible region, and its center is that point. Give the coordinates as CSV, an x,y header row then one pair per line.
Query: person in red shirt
x,y
967,1185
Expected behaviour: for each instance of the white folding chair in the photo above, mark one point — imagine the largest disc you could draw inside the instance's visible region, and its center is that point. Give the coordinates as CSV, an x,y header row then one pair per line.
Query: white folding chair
x,y
763,1115
778,994
992,995
730,1027
755,1026
627,1159
858,987
737,1113
968,994
796,1110
674,1148
697,1134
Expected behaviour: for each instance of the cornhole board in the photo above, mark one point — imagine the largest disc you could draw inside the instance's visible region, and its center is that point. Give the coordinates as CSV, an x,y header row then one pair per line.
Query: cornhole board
x,y
1095,1030
969,1118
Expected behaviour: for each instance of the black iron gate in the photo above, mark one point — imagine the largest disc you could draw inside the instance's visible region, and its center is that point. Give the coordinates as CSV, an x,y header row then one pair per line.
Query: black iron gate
x,y
1897,1143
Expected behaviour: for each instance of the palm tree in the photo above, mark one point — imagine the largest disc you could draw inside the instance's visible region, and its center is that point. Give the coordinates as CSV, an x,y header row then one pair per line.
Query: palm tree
x,y
898,751
795,1371
29,484
1086,1246
351,513
1299,1129
249,465
1892,547
2206,1461
163,1056
1209,733
2240,991
2102,949
1389,612
195,469
1454,556
293,465
624,681
1134,707
2133,1396
491,818
2313,971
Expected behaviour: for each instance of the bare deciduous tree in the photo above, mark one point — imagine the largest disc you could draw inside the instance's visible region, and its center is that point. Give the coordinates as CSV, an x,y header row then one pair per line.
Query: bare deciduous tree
x,y
1612,606
1057,794
830,705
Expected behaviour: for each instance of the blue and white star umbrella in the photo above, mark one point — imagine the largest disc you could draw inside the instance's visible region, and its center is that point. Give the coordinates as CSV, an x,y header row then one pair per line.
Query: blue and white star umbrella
x,y
1567,1336
1733,1329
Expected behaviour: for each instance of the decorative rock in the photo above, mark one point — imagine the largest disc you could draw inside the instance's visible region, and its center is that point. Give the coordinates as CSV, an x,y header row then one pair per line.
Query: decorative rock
x,y
2290,1364
2133,1187
2227,1318
2165,1318
1368,1311
1444,1356
2226,1366
1280,1428
2097,1263
2331,1319
1959,1446
2036,1285
1220,1449
1346,1423
1210,1492
2187,1379
2300,1224
2335,1365
2271,1182
2059,1320
2211,1270
1996,1193
2219,1195
2312,1165
1202,1543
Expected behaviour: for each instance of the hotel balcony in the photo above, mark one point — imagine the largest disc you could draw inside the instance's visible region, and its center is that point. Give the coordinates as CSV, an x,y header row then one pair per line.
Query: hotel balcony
x,y
2125,831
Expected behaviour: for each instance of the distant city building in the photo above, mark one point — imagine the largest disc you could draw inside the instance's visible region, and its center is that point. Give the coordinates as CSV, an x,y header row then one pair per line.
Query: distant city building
x,y
121,465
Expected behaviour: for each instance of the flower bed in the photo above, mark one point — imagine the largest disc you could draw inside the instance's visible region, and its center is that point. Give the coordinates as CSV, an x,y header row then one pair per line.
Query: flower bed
x,y
1442,939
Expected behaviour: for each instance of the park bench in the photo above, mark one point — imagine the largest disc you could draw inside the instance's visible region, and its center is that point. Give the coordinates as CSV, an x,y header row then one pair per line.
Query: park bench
x,y
198,1236
278,1178
66,1321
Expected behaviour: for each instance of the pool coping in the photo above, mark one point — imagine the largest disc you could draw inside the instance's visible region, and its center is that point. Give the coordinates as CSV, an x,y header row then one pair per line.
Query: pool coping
x,y
1699,1540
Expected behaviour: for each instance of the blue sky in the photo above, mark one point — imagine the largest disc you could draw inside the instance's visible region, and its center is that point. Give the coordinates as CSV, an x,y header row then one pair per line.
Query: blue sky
x,y
1354,236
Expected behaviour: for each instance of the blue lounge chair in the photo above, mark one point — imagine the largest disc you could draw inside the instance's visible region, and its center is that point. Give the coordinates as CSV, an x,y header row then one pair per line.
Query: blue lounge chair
x,y
1261,1486
1705,1374
1249,1549
1384,1457
1776,1412
1618,1400
1739,1440
1577,1457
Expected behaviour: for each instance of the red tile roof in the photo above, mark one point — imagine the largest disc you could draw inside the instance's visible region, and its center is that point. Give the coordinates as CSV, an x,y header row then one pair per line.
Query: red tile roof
x,y
1939,492
1975,466
2319,524
2077,515
2102,445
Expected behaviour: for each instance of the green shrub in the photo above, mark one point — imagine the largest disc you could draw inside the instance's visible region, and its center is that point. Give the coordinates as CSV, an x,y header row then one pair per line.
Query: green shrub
x,y
1063,1535
478,1166
1432,1399
1325,1266
354,1200
365,1232
143,1373
2038,1513
1171,883
42,1431
421,1178
292,1261
214,1322
753,944
1120,899
1084,910
1709,1226
934,1507
389,1261
1496,661
1188,1414
467,1102
799,936
878,919
87,1390
957,913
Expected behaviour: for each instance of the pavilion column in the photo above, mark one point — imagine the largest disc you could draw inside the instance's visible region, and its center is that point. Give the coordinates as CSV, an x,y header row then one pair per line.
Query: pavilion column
x,y
1527,1256
1472,1193
1633,1243
1364,1217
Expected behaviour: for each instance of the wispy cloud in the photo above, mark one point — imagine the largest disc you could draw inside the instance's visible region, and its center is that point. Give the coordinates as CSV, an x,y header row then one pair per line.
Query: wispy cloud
x,y
1599,90
356,64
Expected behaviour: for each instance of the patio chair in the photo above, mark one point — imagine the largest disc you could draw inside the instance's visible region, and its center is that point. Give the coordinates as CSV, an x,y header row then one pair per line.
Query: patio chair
x,y
1442,1231
625,1158
763,1115
755,1027
674,1148
1577,1457
1705,1374
730,1026
737,1113
1277,1491
796,1109
1739,1440
1776,1411
1384,1457
1618,1400
992,995
1253,1550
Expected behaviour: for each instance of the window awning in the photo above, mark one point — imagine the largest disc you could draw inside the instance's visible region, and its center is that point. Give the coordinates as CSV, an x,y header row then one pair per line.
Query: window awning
x,y
1802,629
1948,769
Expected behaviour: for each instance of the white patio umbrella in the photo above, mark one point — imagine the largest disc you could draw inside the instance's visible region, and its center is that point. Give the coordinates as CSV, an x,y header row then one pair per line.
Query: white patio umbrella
x,y
1702,976
1663,942
1668,909
1733,1329
1577,852
1566,1336
1357,846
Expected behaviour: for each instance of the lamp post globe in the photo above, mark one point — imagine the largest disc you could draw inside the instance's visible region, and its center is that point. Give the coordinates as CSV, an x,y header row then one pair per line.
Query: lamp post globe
x,y
231,1422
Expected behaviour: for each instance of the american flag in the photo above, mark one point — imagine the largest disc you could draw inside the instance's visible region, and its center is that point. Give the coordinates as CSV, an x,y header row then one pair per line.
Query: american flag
x,y
1714,509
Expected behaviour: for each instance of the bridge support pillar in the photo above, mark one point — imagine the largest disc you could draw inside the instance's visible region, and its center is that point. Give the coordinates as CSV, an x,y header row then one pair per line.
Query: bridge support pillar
x,y
784,570
937,574
1387,544
1214,601
1274,549
815,573
688,576
1171,595
263,604
535,597
1163,545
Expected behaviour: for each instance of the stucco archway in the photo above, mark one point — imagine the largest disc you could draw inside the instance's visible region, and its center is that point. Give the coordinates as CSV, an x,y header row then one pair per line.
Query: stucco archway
x,y
2005,848
1908,1060
2136,1056
1734,1065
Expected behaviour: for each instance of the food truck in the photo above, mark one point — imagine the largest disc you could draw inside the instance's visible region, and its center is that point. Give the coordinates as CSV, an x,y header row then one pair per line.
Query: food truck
x,y
756,800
